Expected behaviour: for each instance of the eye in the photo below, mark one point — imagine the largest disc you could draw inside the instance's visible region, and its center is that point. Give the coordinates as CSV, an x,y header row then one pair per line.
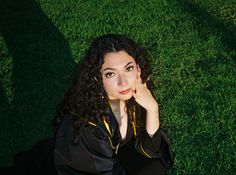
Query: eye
x,y
130,68
109,74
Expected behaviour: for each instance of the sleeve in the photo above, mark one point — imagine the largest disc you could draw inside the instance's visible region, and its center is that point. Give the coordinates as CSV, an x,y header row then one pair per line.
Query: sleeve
x,y
148,146
92,154
157,146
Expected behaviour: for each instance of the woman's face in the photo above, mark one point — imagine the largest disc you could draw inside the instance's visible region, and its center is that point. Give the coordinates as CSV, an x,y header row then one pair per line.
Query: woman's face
x,y
119,75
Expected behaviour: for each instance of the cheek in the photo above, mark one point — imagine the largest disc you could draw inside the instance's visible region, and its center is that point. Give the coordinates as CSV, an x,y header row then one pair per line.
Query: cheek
x,y
133,77
108,84
136,74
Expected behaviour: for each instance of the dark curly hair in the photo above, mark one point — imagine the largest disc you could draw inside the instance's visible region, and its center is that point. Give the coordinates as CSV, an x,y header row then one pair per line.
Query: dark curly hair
x,y
86,99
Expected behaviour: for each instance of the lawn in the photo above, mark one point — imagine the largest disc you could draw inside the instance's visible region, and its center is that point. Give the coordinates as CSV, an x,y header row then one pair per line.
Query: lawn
x,y
191,46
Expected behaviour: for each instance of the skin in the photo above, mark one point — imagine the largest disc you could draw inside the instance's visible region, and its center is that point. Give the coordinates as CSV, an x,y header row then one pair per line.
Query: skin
x,y
121,81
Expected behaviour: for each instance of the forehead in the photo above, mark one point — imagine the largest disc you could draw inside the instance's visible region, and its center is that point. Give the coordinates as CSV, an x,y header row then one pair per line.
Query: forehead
x,y
117,59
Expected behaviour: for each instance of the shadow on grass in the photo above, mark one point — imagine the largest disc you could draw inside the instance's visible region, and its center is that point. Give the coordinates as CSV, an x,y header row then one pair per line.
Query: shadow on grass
x,y
42,62
209,24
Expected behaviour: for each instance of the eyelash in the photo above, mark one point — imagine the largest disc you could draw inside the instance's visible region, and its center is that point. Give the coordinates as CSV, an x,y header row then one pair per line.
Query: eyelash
x,y
128,68
111,74
108,75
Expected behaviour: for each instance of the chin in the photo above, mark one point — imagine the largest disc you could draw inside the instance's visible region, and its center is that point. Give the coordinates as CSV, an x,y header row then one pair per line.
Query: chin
x,y
120,97
126,97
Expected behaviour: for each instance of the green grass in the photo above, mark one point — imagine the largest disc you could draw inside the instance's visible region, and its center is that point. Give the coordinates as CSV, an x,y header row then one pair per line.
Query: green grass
x,y
192,48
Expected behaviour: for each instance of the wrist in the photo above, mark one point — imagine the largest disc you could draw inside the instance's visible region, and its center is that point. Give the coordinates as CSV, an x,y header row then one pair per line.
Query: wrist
x,y
153,108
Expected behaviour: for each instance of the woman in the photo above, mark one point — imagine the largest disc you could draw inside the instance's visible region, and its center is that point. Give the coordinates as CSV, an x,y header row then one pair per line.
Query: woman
x,y
108,121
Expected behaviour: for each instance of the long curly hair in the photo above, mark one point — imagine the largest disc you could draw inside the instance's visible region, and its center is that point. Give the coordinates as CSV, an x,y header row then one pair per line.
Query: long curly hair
x,y
86,99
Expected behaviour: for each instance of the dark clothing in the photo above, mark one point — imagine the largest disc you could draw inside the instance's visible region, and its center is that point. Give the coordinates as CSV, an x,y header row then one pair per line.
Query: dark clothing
x,y
137,164
133,162
100,150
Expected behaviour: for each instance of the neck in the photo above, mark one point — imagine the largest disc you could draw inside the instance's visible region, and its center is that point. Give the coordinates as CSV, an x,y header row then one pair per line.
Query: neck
x,y
117,105
118,108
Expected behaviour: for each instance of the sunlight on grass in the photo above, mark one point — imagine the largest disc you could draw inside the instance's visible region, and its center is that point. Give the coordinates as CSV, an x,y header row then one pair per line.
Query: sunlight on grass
x,y
191,47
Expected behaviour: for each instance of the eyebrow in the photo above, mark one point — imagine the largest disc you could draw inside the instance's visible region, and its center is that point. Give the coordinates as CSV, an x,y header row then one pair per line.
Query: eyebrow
x,y
115,69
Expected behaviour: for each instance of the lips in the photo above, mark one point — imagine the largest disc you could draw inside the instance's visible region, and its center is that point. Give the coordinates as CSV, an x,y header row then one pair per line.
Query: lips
x,y
125,91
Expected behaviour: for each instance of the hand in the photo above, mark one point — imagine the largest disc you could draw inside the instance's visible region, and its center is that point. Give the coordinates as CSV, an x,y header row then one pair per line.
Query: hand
x,y
143,96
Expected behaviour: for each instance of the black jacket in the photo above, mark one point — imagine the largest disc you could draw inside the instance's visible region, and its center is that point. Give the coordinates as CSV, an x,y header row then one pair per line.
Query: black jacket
x,y
97,145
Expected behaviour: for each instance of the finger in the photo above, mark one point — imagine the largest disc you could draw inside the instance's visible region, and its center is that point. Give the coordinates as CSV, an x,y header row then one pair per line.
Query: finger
x,y
134,93
145,84
148,78
138,79
137,84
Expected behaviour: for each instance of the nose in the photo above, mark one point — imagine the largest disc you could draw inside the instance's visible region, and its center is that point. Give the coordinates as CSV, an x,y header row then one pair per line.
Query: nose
x,y
122,81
